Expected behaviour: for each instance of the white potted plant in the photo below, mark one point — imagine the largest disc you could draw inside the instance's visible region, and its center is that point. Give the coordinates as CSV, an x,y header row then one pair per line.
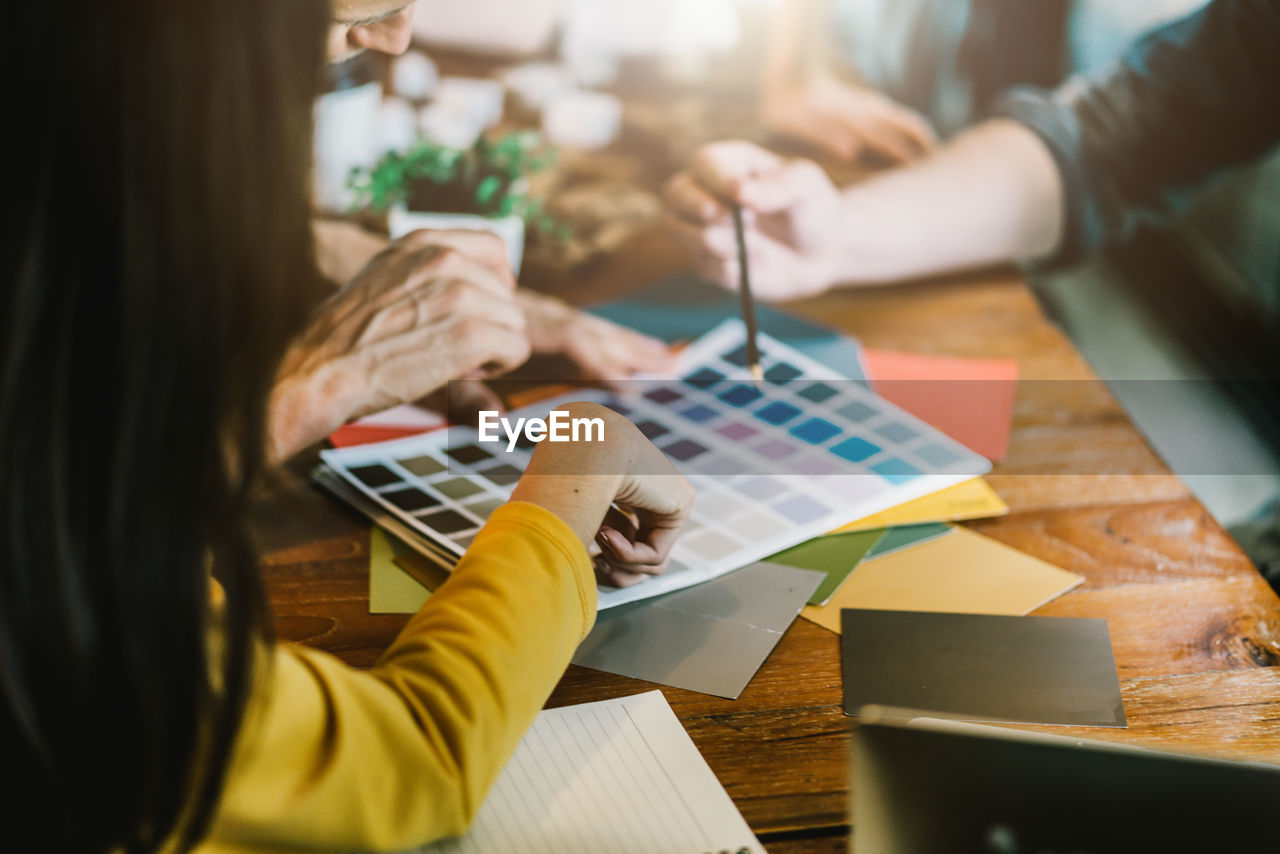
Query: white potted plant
x,y
483,188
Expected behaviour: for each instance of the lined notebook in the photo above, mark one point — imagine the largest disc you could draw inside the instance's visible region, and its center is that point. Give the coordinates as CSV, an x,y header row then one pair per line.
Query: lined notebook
x,y
618,776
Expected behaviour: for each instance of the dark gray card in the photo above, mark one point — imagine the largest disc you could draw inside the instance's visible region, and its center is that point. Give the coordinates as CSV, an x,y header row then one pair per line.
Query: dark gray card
x,y
711,638
1036,670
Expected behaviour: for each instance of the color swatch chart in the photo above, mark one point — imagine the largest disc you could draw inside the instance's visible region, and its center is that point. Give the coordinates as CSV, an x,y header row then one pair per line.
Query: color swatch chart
x,y
774,464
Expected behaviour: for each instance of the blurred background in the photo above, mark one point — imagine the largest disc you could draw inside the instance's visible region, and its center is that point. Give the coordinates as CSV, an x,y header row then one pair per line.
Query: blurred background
x,y
562,117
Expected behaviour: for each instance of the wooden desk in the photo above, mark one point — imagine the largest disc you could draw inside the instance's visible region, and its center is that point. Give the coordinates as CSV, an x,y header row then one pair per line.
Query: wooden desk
x,y
1196,630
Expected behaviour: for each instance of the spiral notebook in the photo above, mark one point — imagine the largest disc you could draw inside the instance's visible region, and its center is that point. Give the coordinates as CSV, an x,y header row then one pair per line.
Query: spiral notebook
x,y
620,776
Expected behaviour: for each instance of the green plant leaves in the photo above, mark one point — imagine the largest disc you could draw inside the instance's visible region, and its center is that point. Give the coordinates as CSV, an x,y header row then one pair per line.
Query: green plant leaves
x,y
487,179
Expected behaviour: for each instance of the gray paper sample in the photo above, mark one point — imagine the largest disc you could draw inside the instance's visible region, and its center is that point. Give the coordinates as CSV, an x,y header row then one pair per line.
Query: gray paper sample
x,y
1035,670
711,638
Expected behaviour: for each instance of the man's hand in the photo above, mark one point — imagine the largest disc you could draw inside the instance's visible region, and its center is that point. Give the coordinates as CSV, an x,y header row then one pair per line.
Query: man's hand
x,y
600,350
792,211
845,121
430,308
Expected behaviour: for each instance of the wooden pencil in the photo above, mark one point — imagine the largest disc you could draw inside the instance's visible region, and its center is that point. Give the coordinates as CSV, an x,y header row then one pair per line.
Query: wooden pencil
x,y
744,295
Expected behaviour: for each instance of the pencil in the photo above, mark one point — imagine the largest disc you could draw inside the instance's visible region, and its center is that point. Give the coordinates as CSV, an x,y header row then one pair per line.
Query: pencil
x,y
744,295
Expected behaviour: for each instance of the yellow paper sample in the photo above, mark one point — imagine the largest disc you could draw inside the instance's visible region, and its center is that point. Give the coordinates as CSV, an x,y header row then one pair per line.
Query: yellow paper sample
x,y
973,499
961,572
391,589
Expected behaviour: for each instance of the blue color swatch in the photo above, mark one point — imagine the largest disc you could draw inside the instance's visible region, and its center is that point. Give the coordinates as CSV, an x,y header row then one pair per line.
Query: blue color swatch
x,y
855,450
896,471
778,413
699,413
741,395
815,431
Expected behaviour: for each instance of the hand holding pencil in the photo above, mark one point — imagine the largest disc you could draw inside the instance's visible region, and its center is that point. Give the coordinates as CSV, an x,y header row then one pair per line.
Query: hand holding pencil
x,y
793,222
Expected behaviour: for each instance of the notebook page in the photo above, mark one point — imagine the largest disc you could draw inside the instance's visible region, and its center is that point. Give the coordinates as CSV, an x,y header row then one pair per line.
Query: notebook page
x,y
616,776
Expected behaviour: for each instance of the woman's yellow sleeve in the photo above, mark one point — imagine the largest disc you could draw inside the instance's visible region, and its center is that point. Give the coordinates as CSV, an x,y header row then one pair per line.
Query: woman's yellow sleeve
x,y
339,759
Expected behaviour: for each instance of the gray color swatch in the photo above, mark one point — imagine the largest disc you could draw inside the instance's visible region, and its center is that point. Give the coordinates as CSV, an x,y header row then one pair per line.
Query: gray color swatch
x,y
1035,670
711,638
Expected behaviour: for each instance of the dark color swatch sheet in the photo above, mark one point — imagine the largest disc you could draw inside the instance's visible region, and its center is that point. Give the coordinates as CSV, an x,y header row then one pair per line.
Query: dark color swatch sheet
x,y
1033,670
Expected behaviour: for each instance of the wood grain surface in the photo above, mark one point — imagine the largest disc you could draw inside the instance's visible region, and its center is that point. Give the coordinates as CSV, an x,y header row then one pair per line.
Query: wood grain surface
x,y
1196,632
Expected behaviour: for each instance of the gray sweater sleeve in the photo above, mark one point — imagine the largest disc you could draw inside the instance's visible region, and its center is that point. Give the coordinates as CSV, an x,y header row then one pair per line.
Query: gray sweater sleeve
x,y
1190,99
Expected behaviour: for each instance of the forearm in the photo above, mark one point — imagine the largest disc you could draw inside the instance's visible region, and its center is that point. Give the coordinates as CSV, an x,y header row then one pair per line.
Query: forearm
x,y
993,195
343,248
794,47
337,759
576,482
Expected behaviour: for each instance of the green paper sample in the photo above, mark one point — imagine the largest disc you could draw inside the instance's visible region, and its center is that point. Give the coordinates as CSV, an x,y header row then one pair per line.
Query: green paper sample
x,y
835,556
905,536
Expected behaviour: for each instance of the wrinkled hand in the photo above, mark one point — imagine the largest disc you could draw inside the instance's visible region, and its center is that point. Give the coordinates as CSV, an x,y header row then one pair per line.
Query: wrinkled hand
x,y
430,308
792,213
845,121
601,351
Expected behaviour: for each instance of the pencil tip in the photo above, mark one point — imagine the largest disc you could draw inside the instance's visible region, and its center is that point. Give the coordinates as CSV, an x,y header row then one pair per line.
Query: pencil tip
x,y
756,373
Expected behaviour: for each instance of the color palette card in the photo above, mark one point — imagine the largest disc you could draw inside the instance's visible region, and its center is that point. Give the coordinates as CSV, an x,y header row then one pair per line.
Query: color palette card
x,y
774,463
711,638
1031,670
970,400
959,572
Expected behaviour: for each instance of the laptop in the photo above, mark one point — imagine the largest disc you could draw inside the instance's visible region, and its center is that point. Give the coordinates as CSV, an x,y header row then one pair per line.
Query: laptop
x,y
927,785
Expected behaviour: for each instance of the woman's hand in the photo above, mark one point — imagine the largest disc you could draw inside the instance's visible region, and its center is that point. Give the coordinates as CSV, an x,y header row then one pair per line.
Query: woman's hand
x,y
794,216
601,351
430,308
621,493
845,121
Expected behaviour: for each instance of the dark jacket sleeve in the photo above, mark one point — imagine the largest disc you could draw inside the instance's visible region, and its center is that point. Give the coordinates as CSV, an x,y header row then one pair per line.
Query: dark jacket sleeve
x,y
1190,99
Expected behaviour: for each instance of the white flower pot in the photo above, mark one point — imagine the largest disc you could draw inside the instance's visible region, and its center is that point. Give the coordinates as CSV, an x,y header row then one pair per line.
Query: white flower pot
x,y
401,221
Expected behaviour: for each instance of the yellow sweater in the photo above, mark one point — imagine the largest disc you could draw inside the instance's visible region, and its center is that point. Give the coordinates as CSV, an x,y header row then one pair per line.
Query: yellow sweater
x,y
332,758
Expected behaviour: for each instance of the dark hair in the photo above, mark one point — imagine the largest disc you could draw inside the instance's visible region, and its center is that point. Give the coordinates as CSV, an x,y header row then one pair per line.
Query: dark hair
x,y
154,244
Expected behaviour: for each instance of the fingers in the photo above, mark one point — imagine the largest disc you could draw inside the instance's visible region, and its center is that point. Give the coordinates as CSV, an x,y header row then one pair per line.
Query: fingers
x,y
631,549
913,127
446,262
725,168
643,551
606,352
611,576
690,200
895,134
406,266
481,246
833,138
739,171
439,303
